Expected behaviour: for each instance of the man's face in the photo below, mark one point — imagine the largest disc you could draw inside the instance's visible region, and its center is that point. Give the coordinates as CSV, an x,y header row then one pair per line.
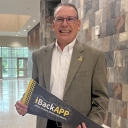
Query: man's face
x,y
66,31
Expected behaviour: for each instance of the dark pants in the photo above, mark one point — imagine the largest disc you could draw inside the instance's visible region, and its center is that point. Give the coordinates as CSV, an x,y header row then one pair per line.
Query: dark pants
x,y
53,124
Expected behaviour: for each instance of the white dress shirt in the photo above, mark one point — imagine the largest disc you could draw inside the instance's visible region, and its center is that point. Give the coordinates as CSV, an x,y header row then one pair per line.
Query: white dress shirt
x,y
59,68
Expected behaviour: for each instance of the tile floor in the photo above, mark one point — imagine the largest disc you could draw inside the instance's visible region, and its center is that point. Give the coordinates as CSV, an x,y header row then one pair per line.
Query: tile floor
x,y
10,92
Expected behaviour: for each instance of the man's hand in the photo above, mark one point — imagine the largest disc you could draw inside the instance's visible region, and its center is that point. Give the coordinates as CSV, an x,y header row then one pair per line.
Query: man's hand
x,y
82,126
21,108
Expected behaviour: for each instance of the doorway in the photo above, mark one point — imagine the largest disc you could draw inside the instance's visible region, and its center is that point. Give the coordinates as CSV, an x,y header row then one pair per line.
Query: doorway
x,y
0,67
22,67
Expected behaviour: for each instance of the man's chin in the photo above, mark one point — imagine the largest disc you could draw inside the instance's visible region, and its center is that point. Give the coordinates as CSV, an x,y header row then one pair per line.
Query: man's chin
x,y
64,39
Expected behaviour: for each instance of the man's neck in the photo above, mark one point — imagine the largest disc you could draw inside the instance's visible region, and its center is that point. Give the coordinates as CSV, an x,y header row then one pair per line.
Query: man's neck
x,y
62,44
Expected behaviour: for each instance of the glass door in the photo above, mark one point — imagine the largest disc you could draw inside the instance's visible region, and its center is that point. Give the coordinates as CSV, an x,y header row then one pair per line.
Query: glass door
x,y
22,67
0,68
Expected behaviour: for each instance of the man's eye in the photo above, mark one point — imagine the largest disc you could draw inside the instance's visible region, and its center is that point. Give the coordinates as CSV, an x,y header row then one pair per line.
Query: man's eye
x,y
70,19
59,19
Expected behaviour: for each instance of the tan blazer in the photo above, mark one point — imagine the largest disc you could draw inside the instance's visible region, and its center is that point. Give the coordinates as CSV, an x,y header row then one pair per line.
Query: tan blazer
x,y
86,85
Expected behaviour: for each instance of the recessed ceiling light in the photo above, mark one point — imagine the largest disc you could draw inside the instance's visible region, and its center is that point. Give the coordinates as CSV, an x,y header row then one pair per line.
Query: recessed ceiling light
x,y
34,20
24,30
16,35
29,26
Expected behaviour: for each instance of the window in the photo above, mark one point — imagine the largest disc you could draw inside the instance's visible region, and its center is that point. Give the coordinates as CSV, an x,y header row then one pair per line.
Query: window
x,y
9,60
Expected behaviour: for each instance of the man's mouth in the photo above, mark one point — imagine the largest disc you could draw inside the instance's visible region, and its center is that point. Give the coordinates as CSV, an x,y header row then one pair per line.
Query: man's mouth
x,y
65,31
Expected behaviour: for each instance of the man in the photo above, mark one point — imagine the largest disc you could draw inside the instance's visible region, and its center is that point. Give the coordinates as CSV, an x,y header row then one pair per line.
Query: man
x,y
72,71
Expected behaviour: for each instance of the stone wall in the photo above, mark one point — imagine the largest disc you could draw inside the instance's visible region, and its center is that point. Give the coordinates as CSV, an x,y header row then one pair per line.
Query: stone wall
x,y
46,8
112,17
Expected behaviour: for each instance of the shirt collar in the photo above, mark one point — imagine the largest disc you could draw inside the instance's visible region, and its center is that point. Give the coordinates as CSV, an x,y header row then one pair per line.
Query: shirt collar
x,y
68,47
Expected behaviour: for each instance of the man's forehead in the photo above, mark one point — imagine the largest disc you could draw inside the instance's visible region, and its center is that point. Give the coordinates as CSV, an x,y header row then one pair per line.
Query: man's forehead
x,y
62,10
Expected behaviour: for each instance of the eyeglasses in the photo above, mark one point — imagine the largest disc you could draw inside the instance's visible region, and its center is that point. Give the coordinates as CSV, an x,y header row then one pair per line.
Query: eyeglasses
x,y
69,19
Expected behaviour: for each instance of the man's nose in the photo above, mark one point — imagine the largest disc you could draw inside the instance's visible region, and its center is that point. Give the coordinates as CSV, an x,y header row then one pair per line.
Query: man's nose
x,y
65,22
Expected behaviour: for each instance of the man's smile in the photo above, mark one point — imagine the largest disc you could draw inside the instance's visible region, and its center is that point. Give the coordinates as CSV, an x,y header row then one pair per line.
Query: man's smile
x,y
64,31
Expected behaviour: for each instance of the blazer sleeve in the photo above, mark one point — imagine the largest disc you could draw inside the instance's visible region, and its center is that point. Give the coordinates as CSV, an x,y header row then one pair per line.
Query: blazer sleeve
x,y
100,97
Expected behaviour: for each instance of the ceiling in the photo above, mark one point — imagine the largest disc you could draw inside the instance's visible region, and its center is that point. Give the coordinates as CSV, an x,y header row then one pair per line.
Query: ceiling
x,y
16,16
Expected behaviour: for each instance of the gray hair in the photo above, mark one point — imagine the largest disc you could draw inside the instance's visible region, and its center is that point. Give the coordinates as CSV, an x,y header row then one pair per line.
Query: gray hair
x,y
66,4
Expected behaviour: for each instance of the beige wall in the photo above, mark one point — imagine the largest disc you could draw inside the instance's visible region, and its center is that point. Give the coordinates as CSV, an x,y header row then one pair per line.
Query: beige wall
x,y
6,41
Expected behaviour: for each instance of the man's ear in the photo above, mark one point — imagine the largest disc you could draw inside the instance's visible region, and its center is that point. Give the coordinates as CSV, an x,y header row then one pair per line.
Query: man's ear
x,y
53,26
79,24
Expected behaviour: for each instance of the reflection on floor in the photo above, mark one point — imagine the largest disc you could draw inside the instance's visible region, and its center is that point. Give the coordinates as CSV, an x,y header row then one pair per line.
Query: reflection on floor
x,y
10,92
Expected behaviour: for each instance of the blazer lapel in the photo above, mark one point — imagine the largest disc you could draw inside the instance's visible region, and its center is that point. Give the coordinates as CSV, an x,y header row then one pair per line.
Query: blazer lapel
x,y
47,65
77,58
